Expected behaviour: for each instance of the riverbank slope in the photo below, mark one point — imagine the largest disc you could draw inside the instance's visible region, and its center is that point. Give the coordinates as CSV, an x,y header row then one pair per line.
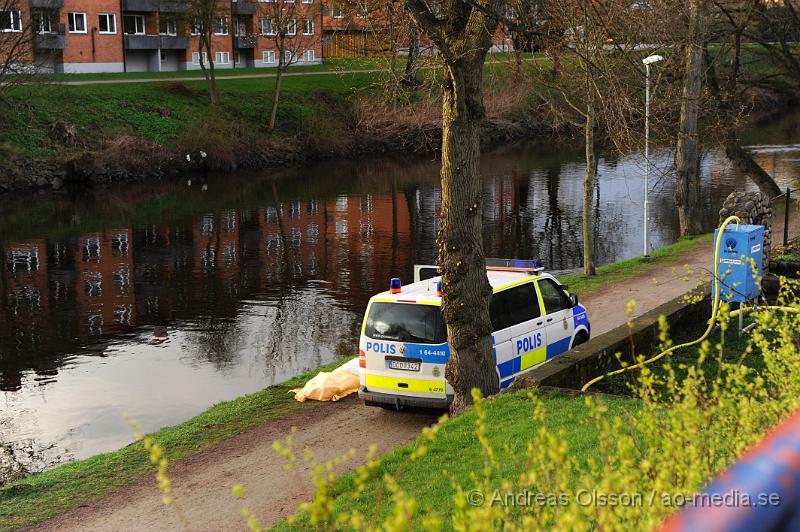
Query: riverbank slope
x,y
117,131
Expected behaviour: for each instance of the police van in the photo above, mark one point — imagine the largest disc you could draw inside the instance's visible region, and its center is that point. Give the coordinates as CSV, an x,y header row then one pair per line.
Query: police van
x,y
403,347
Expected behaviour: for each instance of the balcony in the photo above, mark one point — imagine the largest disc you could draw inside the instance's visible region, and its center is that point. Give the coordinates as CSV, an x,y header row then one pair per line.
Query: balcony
x,y
46,4
142,42
244,43
172,6
241,7
141,6
49,41
174,42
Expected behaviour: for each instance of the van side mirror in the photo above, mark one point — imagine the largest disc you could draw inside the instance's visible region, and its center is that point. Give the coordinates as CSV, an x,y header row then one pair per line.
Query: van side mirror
x,y
574,299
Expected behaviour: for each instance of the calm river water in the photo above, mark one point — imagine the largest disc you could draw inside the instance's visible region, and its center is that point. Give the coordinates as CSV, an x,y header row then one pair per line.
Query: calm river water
x,y
159,300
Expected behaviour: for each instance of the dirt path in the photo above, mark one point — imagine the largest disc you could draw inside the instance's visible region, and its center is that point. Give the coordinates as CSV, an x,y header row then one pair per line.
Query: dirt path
x,y
203,482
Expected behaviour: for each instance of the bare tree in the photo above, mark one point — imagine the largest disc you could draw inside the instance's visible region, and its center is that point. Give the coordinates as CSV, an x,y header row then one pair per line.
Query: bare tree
x,y
20,28
462,31
593,88
687,155
208,18
291,30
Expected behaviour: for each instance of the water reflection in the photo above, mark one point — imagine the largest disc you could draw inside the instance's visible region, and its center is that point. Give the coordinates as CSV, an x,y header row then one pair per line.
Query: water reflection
x,y
159,300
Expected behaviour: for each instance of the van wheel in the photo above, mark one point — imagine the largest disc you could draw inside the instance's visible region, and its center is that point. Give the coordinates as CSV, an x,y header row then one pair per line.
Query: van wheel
x,y
580,338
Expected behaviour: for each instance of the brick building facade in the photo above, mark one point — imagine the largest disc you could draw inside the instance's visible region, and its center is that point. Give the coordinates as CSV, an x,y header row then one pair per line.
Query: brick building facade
x,y
75,36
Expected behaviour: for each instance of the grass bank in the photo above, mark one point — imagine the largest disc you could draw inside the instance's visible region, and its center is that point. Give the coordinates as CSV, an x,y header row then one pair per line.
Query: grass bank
x,y
615,272
430,479
44,495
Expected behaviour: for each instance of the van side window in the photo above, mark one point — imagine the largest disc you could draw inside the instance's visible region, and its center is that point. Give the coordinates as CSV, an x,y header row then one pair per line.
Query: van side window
x,y
513,306
553,295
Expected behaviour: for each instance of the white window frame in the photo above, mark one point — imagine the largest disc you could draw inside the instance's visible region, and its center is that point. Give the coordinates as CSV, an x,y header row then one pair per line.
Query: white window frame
x,y
217,25
334,9
14,21
291,27
306,53
111,22
290,55
306,23
271,26
167,24
308,1
74,18
266,54
219,55
136,24
42,22
196,26
196,58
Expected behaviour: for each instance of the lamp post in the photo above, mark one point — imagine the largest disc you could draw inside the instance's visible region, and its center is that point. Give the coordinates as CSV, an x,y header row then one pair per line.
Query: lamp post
x,y
649,60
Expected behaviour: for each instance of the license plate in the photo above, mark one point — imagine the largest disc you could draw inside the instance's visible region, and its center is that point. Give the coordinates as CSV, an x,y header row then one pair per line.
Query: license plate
x,y
404,365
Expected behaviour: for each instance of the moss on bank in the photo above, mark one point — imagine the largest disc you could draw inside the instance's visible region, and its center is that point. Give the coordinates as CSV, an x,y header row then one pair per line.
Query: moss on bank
x,y
68,486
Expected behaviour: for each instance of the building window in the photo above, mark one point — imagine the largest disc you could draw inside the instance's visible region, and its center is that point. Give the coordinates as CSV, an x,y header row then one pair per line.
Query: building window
x,y
221,26
308,56
289,57
133,24
267,26
269,57
223,58
239,57
291,27
163,57
308,27
12,20
197,26
337,11
168,26
77,22
41,22
196,58
107,23
308,1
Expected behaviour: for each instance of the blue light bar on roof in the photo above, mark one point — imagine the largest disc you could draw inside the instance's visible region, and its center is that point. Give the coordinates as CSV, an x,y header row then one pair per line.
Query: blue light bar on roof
x,y
533,265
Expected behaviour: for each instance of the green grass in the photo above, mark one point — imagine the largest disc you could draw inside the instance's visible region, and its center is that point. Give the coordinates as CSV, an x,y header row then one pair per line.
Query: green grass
x,y
510,426
625,269
44,495
331,64
788,257
167,113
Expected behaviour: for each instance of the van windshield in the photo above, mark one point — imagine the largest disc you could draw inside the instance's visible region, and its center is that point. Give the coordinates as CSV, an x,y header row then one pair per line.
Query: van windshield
x,y
405,322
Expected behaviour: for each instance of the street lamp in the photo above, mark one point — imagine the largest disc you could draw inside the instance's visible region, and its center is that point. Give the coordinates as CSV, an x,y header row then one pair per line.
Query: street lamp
x,y
649,60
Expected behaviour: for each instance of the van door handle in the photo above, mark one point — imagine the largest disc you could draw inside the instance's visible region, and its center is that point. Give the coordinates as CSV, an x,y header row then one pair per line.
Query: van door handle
x,y
539,323
549,320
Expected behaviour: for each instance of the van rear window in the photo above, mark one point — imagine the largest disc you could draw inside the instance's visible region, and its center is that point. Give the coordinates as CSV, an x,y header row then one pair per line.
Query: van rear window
x,y
406,322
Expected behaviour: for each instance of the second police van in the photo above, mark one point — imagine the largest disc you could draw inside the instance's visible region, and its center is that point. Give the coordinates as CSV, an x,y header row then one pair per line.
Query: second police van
x,y
403,346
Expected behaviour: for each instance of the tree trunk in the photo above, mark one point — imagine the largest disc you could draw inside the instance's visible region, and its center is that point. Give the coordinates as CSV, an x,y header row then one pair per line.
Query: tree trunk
x,y
588,189
465,304
412,65
276,94
745,164
687,156
208,72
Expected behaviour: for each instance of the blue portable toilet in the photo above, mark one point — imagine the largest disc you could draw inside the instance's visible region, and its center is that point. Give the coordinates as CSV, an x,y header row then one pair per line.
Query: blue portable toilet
x,y
739,281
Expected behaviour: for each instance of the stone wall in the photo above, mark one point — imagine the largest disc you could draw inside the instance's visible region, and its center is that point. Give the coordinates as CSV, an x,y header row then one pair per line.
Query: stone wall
x,y
753,208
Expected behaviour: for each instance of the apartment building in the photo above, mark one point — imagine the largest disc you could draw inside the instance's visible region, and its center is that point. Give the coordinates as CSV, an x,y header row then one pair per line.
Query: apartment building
x,y
85,36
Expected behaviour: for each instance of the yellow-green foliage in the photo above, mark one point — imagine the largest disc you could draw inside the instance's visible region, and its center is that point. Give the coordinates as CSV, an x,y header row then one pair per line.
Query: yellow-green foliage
x,y
684,432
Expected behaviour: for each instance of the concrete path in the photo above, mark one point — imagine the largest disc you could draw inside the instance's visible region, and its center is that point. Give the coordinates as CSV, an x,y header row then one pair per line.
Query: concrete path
x,y
202,483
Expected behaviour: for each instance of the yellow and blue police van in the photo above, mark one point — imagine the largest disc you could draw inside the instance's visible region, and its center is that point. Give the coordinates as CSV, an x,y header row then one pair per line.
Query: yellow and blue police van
x,y
403,346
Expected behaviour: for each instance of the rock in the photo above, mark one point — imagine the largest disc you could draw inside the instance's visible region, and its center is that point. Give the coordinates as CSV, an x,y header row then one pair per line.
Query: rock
x,y
42,181
57,183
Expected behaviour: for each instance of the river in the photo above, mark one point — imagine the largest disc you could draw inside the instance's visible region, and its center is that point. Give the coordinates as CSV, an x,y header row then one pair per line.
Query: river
x,y
158,300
